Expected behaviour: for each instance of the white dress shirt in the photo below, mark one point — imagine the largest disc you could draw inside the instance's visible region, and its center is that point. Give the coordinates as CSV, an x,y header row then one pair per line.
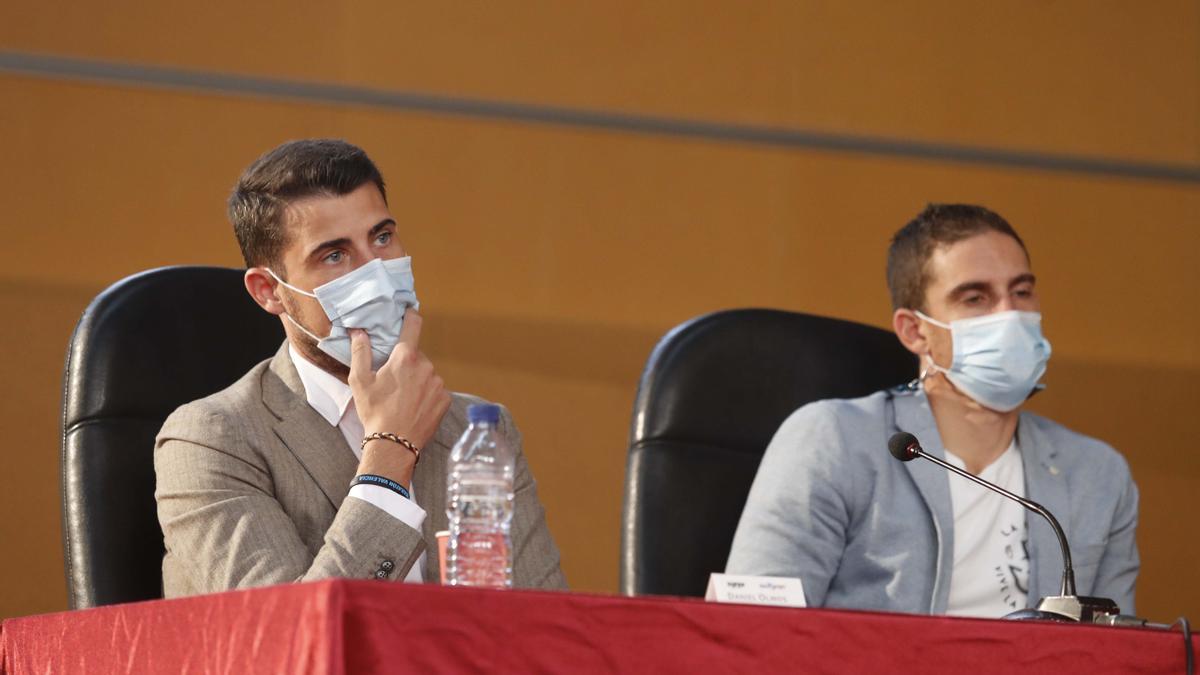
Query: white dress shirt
x,y
332,400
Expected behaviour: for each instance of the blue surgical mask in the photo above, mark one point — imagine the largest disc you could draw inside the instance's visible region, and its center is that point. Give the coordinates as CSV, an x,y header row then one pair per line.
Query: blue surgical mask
x,y
998,358
373,297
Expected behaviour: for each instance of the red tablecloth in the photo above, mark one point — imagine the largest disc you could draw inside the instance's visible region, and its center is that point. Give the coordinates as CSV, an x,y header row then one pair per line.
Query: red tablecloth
x,y
335,627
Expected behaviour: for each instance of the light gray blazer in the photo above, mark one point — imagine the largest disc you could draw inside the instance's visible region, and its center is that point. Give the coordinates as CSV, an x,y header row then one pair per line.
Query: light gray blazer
x,y
252,486
862,530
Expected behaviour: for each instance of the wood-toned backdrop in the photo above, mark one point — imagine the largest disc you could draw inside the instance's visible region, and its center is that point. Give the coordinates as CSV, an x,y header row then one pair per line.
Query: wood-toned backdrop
x,y
551,255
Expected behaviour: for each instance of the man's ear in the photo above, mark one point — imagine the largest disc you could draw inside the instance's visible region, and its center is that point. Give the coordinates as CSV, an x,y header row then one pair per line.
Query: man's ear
x,y
262,287
908,327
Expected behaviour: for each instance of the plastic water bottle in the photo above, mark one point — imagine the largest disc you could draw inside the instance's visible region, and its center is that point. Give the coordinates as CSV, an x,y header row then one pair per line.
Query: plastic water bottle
x,y
479,504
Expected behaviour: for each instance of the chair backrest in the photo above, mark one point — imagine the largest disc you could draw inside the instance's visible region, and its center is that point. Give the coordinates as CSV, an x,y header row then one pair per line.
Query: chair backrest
x,y
712,395
143,347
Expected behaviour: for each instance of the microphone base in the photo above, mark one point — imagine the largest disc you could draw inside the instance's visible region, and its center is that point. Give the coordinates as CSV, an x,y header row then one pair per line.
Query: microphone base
x,y
1030,614
1073,608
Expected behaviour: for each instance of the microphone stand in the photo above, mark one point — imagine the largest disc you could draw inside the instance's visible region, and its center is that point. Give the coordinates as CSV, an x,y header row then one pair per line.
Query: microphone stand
x,y
1066,606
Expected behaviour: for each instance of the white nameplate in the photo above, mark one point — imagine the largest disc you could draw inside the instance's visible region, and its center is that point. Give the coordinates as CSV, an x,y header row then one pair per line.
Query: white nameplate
x,y
750,590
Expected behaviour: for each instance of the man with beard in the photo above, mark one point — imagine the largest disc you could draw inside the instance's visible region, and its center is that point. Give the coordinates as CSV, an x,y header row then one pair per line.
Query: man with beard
x,y
254,483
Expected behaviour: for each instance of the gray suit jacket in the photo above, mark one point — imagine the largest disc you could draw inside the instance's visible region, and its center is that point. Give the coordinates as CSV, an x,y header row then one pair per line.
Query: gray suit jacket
x,y
252,486
830,505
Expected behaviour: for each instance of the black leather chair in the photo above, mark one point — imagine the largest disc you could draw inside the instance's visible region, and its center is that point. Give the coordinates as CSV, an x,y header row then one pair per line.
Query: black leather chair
x,y
712,395
143,347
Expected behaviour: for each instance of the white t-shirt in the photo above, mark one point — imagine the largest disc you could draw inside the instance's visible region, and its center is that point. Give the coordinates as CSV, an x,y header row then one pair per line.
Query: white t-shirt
x,y
990,577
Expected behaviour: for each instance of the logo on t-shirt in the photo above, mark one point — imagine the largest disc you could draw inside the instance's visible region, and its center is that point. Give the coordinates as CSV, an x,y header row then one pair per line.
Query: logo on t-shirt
x,y
1014,572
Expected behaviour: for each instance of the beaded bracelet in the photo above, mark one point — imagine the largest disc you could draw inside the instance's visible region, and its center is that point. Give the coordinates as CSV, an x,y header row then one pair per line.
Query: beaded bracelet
x,y
383,435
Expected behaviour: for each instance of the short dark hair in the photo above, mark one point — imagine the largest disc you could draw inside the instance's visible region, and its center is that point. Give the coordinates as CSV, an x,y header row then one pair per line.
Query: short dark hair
x,y
937,225
292,171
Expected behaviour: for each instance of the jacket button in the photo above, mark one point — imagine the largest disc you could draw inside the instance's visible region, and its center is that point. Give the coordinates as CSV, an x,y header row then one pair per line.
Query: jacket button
x,y
387,566
381,574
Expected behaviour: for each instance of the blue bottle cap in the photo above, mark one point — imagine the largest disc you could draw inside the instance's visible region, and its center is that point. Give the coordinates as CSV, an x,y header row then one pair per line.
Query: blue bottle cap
x,y
483,413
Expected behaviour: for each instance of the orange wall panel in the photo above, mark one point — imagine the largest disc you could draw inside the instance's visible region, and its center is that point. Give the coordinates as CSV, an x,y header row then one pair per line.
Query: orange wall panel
x,y
1107,77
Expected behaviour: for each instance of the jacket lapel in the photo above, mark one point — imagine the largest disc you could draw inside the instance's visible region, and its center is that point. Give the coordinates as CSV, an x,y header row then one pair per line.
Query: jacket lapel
x,y
914,416
1046,485
320,447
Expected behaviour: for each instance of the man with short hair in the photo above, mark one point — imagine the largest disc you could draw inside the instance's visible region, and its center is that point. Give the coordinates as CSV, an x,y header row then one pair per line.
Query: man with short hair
x,y
861,530
254,482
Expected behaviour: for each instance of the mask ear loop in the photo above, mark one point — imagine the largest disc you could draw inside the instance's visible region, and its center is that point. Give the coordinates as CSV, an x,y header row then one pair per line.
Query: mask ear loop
x,y
931,365
289,316
287,285
302,328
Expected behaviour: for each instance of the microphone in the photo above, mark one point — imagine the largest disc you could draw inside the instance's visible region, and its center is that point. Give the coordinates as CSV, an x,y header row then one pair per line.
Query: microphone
x,y
1066,606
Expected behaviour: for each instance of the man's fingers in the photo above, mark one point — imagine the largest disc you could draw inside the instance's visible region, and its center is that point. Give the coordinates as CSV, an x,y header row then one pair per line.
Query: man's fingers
x,y
410,333
360,355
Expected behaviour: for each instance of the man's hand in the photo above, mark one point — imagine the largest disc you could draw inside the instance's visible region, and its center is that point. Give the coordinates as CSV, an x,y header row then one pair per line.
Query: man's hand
x,y
405,397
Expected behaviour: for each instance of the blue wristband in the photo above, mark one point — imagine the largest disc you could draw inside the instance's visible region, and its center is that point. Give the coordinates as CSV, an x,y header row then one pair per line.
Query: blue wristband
x,y
372,479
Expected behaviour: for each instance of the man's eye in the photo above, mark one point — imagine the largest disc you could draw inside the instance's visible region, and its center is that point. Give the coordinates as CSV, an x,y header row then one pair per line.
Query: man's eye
x,y
384,238
973,299
334,258
1024,292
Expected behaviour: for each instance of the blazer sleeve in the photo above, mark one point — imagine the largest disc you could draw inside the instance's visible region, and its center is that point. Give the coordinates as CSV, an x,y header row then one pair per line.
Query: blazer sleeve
x,y
1117,571
798,514
224,528
536,561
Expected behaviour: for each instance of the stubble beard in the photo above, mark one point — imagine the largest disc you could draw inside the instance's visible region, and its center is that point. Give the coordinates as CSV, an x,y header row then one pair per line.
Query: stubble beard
x,y
308,346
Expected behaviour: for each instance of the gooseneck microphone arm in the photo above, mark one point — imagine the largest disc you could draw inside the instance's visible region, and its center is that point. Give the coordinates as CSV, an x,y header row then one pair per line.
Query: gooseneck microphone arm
x,y
905,447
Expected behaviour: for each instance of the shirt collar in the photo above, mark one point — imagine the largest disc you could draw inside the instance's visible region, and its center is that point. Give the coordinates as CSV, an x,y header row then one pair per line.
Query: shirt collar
x,y
1010,455
326,394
